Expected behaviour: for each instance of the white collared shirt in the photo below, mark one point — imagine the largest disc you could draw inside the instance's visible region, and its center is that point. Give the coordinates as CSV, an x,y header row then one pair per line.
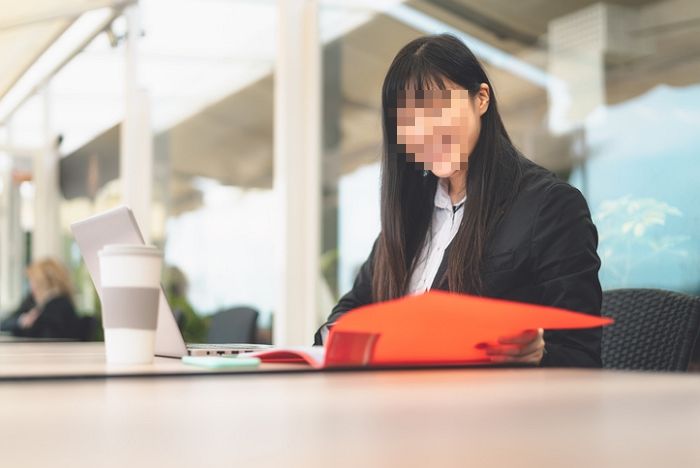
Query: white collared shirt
x,y
443,228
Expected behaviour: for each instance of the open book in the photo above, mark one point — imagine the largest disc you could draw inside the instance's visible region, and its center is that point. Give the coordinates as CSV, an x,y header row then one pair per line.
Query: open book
x,y
435,328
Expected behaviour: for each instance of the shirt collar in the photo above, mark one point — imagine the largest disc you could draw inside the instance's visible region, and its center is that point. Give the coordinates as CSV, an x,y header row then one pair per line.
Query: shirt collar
x,y
442,196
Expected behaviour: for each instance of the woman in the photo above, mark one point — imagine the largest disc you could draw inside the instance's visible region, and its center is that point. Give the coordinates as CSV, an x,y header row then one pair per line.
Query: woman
x,y
53,315
462,210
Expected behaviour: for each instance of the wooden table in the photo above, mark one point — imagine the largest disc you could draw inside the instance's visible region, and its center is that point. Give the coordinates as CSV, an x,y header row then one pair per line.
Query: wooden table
x,y
6,337
75,360
428,418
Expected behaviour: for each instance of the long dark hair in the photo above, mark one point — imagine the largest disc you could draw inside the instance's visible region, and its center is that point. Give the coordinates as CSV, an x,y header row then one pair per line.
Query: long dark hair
x,y
407,193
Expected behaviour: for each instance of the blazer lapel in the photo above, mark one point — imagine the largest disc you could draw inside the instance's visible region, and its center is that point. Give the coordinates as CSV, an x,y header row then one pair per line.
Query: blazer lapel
x,y
438,282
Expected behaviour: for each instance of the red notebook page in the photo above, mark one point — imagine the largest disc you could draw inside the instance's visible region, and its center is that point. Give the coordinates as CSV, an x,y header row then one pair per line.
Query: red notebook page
x,y
311,355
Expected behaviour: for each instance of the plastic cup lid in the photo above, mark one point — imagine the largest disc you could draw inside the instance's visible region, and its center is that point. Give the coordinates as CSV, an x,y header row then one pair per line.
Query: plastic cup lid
x,y
130,249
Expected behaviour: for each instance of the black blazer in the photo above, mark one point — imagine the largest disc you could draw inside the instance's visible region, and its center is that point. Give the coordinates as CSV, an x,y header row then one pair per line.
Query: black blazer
x,y
542,252
9,323
58,319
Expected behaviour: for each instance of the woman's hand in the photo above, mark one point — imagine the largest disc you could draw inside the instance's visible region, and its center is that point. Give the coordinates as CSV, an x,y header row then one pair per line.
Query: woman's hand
x,y
27,319
526,347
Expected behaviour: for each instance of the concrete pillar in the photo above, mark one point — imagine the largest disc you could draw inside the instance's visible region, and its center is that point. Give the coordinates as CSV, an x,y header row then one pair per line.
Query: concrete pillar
x,y
46,239
136,138
297,174
11,239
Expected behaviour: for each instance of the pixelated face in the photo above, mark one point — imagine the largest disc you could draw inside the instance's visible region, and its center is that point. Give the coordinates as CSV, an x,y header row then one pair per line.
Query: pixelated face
x,y
438,128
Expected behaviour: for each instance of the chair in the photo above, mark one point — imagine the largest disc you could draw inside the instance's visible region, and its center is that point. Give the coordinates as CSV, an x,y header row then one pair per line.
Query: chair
x,y
236,325
87,328
654,330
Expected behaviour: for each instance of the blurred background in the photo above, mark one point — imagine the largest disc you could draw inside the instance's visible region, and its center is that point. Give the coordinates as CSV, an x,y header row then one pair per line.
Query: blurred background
x,y
257,126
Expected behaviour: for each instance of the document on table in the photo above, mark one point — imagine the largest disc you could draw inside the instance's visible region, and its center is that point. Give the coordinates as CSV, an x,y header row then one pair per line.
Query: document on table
x,y
437,327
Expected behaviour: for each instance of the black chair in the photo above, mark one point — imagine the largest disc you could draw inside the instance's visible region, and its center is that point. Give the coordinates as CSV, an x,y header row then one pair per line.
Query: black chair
x,y
654,330
87,328
236,325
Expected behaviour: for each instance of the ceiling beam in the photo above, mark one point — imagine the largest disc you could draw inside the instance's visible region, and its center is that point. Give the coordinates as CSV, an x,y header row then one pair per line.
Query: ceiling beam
x,y
62,13
488,23
99,28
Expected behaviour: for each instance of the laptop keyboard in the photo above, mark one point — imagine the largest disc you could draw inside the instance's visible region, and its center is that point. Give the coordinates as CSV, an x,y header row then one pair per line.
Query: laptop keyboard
x,y
226,346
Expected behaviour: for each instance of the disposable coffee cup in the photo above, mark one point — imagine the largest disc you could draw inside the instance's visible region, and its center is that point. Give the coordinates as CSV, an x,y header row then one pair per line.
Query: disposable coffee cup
x,y
130,280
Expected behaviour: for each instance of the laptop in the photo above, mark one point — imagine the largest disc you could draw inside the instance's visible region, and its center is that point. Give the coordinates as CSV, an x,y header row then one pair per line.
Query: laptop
x,y
118,226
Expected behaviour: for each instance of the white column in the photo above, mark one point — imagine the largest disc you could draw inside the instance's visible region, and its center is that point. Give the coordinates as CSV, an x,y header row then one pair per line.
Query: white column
x,y
12,248
11,242
5,245
297,180
46,240
136,138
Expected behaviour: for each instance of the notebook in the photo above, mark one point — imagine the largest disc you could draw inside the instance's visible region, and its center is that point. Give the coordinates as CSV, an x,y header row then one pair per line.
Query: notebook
x,y
434,328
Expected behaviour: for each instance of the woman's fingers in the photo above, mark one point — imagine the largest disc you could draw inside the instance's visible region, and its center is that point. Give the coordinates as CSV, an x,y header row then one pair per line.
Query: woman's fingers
x,y
534,358
518,348
526,347
515,350
506,350
521,338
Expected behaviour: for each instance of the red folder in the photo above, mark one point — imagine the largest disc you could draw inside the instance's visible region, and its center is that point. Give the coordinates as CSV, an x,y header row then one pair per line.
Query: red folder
x,y
437,328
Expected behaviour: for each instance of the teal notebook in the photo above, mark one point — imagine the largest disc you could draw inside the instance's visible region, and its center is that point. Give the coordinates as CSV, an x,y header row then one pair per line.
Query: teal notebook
x,y
219,362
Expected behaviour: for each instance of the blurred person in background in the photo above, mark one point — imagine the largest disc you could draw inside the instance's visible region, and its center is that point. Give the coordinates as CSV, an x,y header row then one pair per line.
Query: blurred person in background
x,y
192,326
49,312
